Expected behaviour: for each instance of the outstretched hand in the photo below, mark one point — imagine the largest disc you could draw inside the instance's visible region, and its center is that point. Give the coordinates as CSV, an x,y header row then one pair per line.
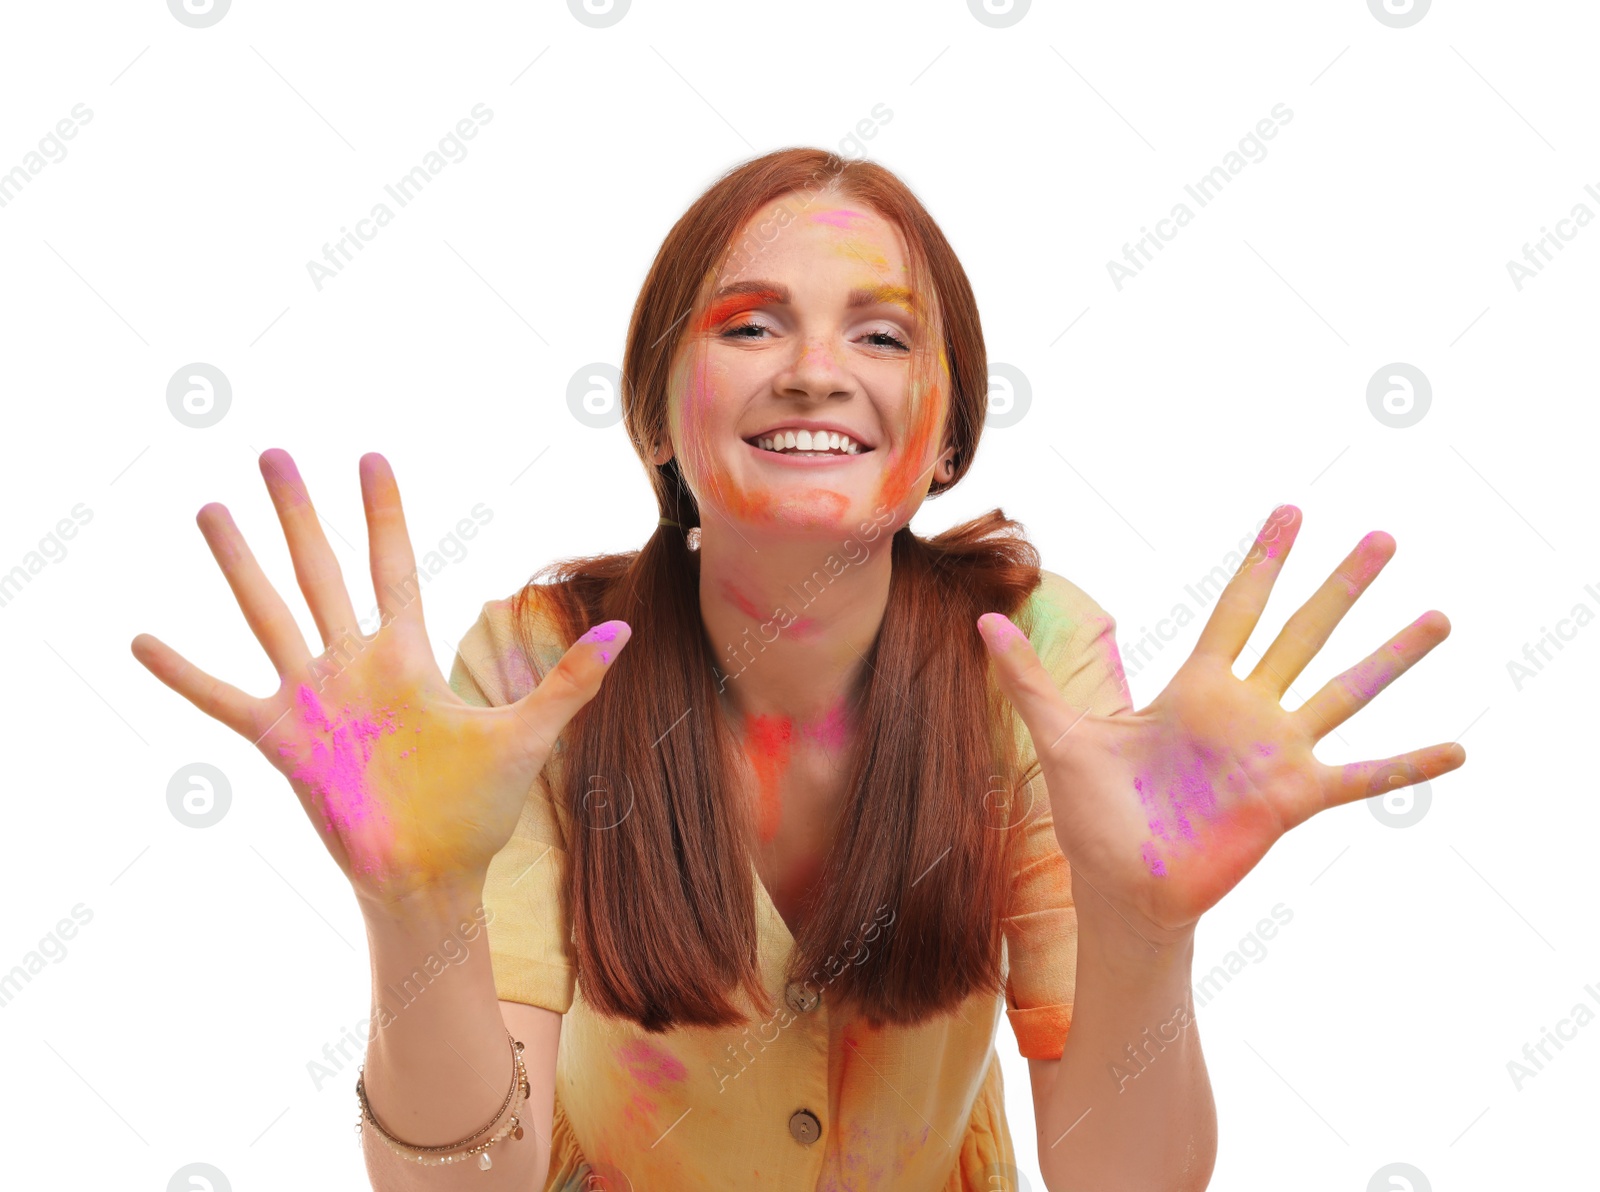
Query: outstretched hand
x,y
1164,810
409,786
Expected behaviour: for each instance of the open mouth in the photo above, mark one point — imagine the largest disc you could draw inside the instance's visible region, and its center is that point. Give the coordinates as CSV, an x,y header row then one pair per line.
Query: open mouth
x,y
807,444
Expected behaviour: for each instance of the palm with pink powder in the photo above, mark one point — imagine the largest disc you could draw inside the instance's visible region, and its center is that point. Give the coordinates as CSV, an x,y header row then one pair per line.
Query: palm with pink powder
x,y
1162,811
408,786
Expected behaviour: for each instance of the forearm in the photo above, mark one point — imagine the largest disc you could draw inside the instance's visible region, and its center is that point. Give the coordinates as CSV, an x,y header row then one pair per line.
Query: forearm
x,y
1131,1106
439,1064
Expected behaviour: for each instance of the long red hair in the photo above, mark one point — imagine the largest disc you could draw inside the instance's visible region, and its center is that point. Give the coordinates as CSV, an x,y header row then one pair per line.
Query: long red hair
x,y
663,903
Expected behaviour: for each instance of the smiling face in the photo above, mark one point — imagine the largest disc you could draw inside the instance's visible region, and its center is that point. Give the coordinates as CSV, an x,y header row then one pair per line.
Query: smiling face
x,y
818,334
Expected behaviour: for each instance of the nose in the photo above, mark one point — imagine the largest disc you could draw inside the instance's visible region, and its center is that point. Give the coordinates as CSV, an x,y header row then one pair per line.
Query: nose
x,y
815,373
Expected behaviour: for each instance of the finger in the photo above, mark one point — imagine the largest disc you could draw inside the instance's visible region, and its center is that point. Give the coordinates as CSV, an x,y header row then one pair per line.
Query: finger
x,y
268,616
315,566
568,685
1308,630
1239,607
212,696
1365,780
1028,685
1346,694
394,567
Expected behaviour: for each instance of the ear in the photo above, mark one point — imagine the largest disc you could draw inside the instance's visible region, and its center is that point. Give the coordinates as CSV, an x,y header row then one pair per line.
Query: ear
x,y
945,469
662,452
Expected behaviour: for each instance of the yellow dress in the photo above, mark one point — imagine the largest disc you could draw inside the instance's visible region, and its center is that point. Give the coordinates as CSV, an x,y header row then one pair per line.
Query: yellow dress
x,y
810,1098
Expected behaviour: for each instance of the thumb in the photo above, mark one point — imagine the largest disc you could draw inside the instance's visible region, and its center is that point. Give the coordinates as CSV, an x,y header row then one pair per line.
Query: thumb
x,y
1024,681
570,684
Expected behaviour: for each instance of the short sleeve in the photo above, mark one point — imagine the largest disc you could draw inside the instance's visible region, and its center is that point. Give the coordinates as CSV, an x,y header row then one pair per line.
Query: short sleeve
x,y
527,893
1076,641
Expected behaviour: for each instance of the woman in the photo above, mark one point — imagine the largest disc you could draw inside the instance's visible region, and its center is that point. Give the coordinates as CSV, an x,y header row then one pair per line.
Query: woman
x,y
766,884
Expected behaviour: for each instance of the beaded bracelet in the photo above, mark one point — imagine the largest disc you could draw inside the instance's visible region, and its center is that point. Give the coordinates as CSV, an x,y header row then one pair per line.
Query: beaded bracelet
x,y
433,1156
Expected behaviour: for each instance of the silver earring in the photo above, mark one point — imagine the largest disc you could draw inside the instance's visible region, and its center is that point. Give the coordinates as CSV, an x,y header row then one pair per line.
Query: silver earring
x,y
694,537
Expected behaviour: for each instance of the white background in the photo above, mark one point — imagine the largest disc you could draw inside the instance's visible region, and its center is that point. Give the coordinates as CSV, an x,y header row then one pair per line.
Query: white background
x,y
1229,375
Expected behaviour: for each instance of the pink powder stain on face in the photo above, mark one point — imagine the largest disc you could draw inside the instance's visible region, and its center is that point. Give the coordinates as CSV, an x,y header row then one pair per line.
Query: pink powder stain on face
x,y
1263,749
650,1066
839,217
1153,860
336,771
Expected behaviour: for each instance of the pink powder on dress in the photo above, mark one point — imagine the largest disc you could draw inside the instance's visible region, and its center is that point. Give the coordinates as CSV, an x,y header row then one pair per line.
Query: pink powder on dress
x,y
649,1065
839,217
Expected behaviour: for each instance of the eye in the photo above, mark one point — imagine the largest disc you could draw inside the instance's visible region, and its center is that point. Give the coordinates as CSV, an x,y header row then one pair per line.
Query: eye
x,y
894,340
738,332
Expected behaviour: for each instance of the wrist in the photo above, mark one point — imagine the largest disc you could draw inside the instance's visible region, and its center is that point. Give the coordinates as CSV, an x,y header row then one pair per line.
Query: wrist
x,y
1123,944
440,904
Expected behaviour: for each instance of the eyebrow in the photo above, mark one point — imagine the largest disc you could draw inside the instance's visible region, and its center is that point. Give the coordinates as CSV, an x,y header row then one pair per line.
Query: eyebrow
x,y
779,295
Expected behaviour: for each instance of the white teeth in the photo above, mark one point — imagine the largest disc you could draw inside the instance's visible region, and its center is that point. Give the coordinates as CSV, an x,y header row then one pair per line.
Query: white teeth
x,y
808,440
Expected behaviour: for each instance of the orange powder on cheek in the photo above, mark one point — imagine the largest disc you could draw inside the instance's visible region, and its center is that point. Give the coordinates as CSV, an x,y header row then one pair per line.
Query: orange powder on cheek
x,y
909,469
768,740
689,410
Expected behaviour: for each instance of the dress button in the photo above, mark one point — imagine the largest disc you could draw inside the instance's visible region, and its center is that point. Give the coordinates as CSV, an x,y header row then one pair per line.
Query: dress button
x,y
805,1128
800,998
